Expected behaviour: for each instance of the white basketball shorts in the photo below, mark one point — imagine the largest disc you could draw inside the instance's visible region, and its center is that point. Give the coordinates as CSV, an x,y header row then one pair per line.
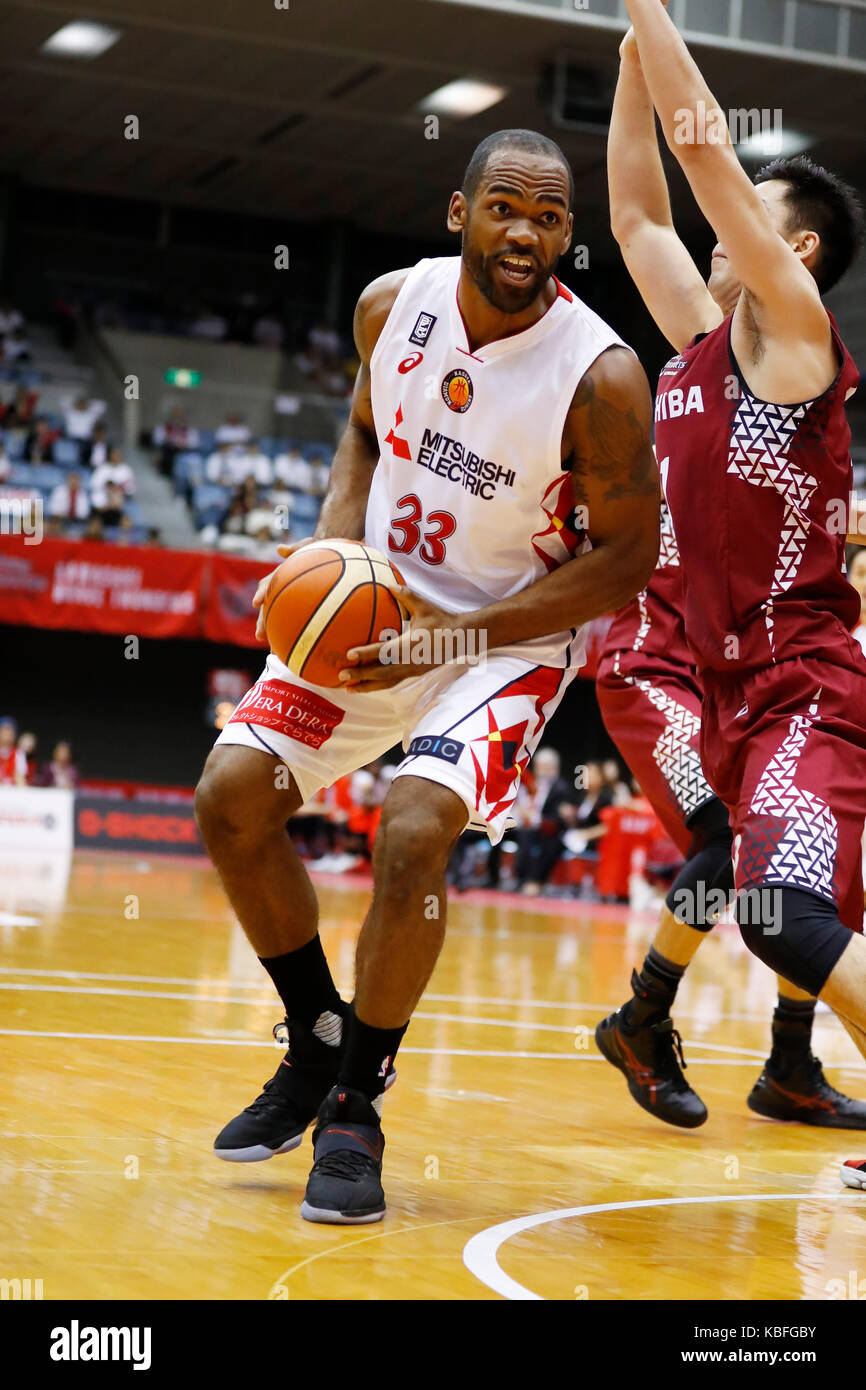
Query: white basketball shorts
x,y
470,728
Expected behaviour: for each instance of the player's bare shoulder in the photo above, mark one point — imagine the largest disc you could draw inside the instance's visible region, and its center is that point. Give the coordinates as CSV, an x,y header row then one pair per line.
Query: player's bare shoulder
x,y
373,308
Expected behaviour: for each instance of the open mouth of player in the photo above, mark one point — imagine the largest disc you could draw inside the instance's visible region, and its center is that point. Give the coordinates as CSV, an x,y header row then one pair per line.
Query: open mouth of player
x,y
516,270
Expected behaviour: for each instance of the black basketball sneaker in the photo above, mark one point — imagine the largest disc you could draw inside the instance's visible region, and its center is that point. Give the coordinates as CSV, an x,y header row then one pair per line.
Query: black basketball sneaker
x,y
276,1120
345,1184
799,1090
650,1056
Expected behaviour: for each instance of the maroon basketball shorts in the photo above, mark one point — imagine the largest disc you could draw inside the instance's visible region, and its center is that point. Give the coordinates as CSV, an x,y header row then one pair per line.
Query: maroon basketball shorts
x,y
654,718
785,750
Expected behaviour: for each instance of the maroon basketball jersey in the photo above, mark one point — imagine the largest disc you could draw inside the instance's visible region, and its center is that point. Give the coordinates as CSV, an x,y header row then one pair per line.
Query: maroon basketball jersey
x,y
648,631
758,495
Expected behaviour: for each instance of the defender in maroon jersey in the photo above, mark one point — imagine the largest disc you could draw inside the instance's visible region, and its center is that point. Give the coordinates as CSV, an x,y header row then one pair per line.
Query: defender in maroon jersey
x,y
753,448
650,698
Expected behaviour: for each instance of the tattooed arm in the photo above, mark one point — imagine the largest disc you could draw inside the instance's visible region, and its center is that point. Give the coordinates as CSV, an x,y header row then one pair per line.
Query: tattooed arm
x,y
615,482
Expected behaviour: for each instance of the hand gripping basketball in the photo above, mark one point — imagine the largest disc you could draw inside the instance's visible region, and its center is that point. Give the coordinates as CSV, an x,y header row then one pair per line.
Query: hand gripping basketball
x,y
258,599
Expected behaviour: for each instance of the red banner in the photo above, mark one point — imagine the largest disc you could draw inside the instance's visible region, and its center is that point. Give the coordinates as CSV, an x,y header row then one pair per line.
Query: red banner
x,y
229,615
91,587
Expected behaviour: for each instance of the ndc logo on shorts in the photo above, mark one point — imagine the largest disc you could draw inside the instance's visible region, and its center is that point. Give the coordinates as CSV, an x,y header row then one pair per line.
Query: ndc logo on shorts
x,y
424,325
457,390
436,746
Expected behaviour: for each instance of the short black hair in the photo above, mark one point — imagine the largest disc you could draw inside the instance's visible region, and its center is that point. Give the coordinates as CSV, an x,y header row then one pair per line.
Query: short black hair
x,y
820,202
528,141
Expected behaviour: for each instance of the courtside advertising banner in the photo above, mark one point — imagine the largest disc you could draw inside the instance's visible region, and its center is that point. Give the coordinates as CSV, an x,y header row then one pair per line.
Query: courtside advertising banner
x,y
91,587
35,819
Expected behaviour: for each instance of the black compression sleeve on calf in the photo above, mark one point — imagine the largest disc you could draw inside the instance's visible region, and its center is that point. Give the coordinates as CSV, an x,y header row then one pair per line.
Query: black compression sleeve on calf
x,y
700,890
368,1055
303,981
795,933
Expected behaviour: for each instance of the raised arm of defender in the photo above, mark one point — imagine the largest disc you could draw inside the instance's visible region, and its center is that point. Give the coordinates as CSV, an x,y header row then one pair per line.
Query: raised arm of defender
x,y
640,213
782,303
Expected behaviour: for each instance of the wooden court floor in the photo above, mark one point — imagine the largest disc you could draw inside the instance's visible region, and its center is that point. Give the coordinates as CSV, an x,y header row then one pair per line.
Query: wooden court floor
x,y
516,1165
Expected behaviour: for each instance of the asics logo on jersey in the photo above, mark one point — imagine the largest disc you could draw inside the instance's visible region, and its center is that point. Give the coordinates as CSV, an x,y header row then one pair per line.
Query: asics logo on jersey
x,y
424,325
409,362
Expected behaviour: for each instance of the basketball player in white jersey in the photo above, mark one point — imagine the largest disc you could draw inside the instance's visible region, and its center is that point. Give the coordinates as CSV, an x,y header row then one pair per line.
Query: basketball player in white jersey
x,y
499,449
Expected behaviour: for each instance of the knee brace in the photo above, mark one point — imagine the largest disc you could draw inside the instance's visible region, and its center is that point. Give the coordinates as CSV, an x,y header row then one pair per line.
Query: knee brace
x,y
701,888
794,932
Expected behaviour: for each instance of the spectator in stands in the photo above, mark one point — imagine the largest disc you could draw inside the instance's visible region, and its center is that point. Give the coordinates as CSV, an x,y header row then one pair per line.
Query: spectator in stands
x,y
262,537
27,748
125,529
13,763
253,463
93,530
620,793
69,500
218,468
234,523
268,331
52,529
16,347
154,536
546,811
209,324
40,442
10,318
172,437
80,417
116,472
323,341
95,450
5,463
293,470
60,771
18,413
111,513
233,430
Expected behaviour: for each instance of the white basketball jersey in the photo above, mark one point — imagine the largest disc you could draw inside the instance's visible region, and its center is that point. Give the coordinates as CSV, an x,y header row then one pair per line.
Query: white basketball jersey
x,y
469,498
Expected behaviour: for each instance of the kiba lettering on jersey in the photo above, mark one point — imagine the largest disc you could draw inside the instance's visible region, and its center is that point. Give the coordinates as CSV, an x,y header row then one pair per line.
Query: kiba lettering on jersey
x,y
675,402
449,458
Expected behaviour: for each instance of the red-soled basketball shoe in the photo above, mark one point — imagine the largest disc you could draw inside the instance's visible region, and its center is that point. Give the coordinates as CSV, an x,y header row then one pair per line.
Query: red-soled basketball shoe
x,y
853,1173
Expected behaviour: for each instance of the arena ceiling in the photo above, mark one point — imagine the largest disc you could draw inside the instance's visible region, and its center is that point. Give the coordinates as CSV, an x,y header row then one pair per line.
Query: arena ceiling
x,y
309,112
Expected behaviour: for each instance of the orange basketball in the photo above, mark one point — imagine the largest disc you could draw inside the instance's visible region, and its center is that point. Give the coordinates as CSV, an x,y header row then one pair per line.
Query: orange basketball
x,y
325,599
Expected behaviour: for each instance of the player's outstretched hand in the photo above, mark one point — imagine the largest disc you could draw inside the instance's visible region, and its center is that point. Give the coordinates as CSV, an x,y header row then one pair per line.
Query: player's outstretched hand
x,y
284,551
383,664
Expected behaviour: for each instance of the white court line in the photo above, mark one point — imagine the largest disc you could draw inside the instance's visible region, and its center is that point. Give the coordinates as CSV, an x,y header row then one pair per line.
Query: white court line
x,y
576,1056
479,1253
201,998
431,998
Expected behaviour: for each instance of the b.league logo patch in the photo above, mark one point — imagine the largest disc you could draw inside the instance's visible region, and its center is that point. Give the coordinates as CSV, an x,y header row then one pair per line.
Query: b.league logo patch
x,y
424,325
